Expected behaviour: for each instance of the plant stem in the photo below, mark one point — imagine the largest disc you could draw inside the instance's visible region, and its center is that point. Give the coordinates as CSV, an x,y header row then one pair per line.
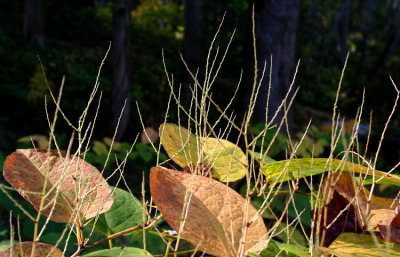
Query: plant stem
x,y
118,234
78,233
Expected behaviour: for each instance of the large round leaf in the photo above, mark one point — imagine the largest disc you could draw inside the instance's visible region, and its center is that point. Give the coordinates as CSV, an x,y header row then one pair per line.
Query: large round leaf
x,y
216,214
228,161
41,250
180,144
26,170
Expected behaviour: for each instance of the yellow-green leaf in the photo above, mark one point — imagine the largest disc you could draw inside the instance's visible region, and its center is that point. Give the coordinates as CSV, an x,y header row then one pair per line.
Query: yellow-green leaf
x,y
180,144
352,244
298,168
228,161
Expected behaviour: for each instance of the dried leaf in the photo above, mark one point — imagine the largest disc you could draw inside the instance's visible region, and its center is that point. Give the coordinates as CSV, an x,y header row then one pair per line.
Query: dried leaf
x,y
339,190
149,135
26,171
346,217
215,213
25,248
390,228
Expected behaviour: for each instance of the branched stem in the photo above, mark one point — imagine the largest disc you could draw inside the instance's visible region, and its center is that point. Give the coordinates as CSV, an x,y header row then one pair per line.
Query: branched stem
x,y
118,234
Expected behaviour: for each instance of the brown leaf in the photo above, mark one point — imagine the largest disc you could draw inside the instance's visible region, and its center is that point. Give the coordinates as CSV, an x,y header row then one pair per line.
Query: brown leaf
x,y
390,228
215,215
343,221
343,189
25,248
26,171
148,135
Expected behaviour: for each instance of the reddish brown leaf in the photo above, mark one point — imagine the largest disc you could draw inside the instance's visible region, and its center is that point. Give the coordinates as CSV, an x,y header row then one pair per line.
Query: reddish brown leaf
x,y
341,189
215,220
346,222
25,248
26,170
390,229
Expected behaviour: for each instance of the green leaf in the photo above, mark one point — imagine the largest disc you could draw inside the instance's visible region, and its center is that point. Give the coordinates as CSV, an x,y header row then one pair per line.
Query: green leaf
x,y
282,250
290,234
228,161
120,252
352,244
258,157
154,241
369,180
126,212
300,202
145,151
271,251
294,250
4,245
180,144
100,148
298,168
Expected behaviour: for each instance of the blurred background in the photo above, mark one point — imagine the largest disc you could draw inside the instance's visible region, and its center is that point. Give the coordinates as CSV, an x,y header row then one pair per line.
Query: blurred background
x,y
72,37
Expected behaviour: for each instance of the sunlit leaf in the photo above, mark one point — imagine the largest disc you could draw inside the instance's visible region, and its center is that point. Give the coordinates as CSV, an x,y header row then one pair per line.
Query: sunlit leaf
x,y
126,212
120,252
4,245
346,199
30,170
41,250
214,222
369,180
180,144
390,228
351,244
298,168
228,161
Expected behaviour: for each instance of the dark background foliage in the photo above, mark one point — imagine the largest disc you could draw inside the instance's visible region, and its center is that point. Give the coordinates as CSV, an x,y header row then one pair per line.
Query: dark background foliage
x,y
71,38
